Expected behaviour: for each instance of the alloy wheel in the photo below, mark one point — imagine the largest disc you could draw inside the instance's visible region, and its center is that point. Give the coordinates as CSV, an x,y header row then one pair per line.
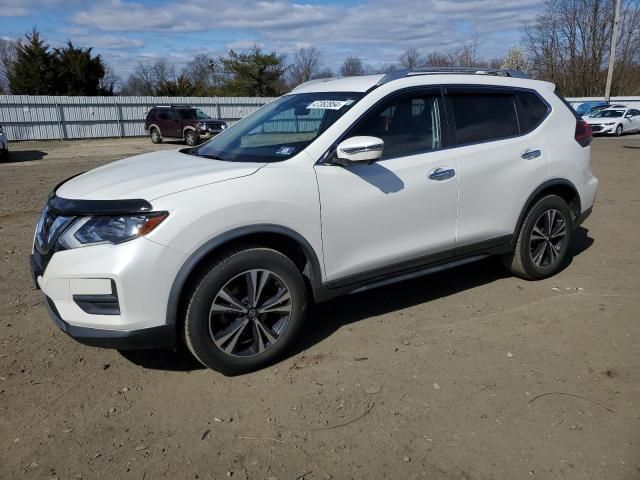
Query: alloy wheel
x,y
250,313
547,238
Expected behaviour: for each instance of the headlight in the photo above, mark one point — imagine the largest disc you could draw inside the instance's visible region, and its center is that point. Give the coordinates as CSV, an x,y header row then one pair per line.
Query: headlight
x,y
110,229
609,123
202,126
223,126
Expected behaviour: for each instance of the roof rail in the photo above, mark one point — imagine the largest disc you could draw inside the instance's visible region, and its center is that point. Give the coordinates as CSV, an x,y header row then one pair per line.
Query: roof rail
x,y
500,72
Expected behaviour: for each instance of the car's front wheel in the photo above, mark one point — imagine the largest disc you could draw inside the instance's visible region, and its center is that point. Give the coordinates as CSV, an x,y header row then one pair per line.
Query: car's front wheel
x,y
191,138
543,240
619,130
245,310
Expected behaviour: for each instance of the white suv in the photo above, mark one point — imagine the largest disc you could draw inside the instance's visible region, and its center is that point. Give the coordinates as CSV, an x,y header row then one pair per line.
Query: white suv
x,y
340,186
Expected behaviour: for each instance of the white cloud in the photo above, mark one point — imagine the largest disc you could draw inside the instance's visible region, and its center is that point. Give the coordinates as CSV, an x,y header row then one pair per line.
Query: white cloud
x,y
377,29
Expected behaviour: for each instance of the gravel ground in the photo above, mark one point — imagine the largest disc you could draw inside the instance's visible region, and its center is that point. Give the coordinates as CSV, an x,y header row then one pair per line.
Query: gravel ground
x,y
467,373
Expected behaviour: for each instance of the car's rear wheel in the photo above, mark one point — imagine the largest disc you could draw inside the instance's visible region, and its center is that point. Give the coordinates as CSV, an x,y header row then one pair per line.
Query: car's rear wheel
x,y
245,310
191,138
155,136
619,130
543,240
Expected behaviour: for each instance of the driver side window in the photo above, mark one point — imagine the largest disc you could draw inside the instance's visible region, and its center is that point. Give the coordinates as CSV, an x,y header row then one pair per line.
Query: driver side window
x,y
408,125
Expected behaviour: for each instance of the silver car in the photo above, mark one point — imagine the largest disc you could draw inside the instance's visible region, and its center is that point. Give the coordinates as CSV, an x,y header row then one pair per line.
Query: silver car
x,y
4,146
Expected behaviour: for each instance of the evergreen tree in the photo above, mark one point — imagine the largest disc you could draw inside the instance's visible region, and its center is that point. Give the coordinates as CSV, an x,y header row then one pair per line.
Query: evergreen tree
x,y
32,73
76,71
254,73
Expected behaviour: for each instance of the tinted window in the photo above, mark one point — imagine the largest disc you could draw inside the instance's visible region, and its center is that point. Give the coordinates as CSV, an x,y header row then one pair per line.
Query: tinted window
x,y
152,114
408,125
609,114
532,111
483,116
163,115
192,114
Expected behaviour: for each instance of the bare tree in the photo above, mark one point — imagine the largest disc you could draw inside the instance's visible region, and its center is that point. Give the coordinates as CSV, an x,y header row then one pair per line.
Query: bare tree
x,y
8,53
204,73
410,59
437,59
305,66
351,67
110,83
466,55
569,43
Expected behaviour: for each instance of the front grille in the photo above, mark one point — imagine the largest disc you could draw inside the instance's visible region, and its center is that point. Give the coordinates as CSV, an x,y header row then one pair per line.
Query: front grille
x,y
51,225
596,128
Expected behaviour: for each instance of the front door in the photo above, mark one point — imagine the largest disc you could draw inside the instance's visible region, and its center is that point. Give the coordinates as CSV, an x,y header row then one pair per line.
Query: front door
x,y
400,210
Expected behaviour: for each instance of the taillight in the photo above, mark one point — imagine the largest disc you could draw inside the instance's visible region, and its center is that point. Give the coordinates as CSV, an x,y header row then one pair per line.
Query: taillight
x,y
584,134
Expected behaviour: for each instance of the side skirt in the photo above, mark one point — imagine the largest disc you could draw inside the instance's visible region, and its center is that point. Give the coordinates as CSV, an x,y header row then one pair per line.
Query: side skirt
x,y
414,268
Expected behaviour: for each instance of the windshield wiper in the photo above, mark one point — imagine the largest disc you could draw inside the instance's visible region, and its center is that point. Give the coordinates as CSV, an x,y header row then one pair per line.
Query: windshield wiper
x,y
212,157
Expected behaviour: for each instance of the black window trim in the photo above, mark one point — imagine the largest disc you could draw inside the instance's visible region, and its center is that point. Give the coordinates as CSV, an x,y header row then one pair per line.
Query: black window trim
x,y
327,157
488,88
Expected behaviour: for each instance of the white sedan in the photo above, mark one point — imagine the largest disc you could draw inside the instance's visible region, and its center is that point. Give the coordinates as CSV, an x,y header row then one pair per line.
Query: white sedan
x,y
615,121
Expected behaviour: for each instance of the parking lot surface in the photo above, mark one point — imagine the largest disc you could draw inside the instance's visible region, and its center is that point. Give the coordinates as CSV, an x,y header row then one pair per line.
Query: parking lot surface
x,y
467,373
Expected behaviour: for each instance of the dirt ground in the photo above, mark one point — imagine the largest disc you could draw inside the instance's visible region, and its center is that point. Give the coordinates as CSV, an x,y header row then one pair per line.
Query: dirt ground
x,y
466,374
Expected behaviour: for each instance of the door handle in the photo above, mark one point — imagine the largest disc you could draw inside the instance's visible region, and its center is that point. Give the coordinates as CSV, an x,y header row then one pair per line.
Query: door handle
x,y
530,154
442,174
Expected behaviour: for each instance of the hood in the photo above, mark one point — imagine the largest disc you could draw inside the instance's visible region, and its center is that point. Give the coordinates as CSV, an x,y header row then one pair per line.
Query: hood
x,y
599,120
151,176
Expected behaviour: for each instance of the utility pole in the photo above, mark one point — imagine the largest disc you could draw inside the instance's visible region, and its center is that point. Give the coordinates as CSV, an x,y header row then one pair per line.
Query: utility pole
x,y
612,55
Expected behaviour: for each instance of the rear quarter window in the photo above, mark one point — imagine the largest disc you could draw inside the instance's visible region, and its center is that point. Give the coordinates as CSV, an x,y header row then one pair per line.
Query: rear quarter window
x,y
532,110
483,116
152,114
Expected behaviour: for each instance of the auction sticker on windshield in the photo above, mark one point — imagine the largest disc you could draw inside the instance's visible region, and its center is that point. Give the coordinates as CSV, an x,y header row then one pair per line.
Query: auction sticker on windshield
x,y
329,104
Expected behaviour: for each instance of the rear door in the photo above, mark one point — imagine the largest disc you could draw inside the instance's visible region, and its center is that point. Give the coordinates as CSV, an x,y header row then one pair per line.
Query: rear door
x,y
175,121
502,157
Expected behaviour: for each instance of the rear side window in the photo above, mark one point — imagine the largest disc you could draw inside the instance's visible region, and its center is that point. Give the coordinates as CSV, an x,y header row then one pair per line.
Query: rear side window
x,y
483,116
163,115
531,112
152,114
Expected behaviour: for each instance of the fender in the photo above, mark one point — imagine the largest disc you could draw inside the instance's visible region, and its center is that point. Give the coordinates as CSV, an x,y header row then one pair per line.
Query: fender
x,y
153,125
313,273
554,182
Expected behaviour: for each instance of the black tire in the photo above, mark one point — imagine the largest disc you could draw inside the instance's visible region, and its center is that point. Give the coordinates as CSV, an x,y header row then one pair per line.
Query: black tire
x,y
619,131
532,241
209,333
156,137
191,138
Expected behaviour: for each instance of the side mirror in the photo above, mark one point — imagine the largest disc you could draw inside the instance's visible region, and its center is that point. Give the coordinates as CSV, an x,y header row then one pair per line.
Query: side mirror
x,y
359,150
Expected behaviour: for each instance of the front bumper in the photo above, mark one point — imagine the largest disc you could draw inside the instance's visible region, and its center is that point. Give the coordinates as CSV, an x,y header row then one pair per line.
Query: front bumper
x,y
163,336
603,129
112,296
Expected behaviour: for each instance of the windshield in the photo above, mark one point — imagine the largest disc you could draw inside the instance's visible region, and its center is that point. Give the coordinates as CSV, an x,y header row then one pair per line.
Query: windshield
x,y
280,129
192,114
608,114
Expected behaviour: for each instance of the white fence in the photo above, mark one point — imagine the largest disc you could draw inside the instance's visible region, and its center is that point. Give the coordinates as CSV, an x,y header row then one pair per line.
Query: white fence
x,y
26,117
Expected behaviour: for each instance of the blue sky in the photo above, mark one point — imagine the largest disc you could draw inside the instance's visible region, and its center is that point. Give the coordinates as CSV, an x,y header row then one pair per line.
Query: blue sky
x,y
126,32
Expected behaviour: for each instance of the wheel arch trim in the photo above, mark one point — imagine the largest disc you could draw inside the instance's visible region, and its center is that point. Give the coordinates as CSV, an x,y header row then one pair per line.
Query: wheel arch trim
x,y
314,273
554,182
